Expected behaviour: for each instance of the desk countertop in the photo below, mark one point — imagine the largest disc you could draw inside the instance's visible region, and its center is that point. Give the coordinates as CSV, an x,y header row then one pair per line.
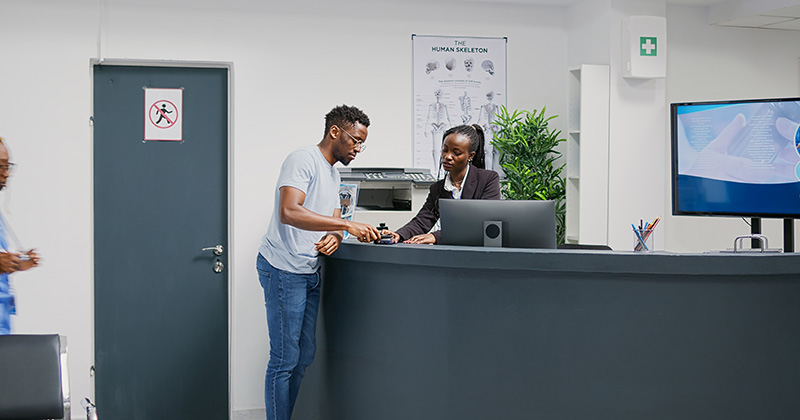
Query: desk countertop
x,y
579,261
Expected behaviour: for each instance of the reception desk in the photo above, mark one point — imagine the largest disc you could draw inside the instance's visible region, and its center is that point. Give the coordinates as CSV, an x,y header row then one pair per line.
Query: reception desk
x,y
416,332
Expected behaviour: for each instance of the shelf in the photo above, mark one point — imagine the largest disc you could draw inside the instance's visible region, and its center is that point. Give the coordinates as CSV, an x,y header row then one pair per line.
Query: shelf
x,y
587,155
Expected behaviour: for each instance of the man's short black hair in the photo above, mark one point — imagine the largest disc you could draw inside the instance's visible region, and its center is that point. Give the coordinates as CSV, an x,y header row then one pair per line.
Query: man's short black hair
x,y
344,117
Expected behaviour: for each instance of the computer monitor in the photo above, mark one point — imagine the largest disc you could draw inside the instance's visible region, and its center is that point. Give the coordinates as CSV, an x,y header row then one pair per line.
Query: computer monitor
x,y
526,223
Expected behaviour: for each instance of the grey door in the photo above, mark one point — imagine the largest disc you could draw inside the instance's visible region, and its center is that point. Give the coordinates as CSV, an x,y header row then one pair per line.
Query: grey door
x,y
161,311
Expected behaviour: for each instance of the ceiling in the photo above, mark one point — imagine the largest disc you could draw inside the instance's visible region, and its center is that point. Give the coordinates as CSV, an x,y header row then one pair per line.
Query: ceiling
x,y
761,14
784,18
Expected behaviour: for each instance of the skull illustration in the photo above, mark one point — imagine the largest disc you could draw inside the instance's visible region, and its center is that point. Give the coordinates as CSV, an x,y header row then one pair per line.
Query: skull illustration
x,y
488,66
450,63
468,63
431,66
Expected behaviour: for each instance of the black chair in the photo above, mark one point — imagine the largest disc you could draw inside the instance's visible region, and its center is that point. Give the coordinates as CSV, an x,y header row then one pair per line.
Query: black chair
x,y
34,384
585,247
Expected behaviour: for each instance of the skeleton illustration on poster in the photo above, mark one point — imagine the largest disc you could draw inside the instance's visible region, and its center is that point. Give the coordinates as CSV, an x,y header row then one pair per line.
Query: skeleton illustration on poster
x,y
457,80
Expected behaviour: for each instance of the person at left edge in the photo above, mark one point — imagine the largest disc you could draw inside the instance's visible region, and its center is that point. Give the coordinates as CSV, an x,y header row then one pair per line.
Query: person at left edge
x,y
305,222
10,262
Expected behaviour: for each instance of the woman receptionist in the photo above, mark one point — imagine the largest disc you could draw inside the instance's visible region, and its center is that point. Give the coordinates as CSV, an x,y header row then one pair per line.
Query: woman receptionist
x,y
463,159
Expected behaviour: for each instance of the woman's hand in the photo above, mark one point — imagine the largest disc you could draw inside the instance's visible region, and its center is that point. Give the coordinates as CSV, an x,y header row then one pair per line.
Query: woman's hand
x,y
425,238
395,237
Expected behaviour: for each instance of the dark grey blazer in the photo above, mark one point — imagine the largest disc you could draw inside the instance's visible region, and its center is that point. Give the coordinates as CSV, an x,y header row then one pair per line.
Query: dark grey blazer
x,y
481,184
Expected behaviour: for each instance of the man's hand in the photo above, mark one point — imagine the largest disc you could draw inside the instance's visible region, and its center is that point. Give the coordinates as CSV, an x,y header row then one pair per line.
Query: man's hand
x,y
363,232
32,261
9,262
329,243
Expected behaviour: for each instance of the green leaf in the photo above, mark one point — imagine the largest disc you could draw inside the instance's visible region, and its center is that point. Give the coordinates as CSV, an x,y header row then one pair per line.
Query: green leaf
x,y
528,158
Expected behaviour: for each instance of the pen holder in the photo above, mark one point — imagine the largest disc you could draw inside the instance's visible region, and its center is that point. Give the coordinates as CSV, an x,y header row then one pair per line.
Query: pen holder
x,y
643,240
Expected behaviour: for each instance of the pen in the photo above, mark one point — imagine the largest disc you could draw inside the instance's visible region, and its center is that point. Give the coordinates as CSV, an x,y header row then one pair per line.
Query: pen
x,y
639,235
650,227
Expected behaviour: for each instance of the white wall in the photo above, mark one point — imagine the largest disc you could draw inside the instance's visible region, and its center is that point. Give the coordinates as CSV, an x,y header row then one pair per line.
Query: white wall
x,y
637,131
589,26
715,63
291,64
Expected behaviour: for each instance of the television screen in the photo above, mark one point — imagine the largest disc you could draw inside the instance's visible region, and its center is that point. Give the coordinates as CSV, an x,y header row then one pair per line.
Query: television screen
x,y
736,158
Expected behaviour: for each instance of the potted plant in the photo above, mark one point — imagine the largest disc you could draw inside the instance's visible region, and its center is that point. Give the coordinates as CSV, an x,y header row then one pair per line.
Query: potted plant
x,y
528,155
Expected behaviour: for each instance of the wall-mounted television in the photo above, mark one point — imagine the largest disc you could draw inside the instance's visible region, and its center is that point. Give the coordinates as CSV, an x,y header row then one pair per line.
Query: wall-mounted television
x,y
736,158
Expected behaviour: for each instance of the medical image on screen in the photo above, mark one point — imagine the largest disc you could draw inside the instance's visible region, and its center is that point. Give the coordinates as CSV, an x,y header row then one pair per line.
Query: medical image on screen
x,y
737,157
746,142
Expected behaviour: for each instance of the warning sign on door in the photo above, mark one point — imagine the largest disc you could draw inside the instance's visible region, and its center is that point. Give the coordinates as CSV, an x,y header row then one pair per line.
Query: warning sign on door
x,y
163,119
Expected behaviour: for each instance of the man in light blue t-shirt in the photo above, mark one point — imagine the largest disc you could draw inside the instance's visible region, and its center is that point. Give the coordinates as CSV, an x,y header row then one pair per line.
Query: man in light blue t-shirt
x,y
305,222
10,262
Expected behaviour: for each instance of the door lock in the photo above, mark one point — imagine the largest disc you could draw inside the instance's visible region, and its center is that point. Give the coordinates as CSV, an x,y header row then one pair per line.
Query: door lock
x,y
218,266
218,249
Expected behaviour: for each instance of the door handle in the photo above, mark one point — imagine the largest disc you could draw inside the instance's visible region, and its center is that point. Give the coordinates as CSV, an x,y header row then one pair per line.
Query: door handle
x,y
218,249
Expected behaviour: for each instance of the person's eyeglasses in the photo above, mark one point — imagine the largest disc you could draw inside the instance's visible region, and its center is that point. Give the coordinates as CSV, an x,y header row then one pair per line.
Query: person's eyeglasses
x,y
360,146
7,166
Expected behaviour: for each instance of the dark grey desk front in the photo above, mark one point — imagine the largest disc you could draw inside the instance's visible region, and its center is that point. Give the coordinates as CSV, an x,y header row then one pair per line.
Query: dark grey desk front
x,y
437,332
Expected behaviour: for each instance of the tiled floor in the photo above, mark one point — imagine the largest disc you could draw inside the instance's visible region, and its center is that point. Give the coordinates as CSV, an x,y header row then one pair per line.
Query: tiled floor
x,y
250,415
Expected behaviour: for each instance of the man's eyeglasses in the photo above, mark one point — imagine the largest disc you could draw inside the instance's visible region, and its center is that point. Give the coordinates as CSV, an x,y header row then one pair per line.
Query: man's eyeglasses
x,y
360,146
7,166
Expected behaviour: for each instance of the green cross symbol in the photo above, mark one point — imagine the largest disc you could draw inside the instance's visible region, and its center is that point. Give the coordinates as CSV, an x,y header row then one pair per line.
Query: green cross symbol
x,y
647,46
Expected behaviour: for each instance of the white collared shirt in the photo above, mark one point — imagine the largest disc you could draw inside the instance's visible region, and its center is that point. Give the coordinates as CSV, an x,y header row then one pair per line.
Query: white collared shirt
x,y
449,186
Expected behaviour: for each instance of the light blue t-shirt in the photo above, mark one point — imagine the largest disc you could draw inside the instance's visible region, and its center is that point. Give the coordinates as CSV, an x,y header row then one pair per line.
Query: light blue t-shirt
x,y
286,247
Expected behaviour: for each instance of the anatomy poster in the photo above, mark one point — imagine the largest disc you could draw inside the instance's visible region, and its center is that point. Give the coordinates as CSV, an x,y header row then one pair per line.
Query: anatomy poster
x,y
457,80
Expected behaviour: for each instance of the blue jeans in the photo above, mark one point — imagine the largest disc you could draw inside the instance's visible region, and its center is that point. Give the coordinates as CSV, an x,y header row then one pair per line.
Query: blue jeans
x,y
292,302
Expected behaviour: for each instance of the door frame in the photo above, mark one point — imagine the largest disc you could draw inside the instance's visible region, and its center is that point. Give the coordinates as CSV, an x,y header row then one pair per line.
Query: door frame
x,y
229,270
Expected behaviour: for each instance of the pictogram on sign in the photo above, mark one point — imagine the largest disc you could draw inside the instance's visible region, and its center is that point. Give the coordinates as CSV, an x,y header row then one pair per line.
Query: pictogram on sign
x,y
163,119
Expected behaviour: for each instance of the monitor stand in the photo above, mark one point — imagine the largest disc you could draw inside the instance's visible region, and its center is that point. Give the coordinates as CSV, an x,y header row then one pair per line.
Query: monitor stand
x,y
788,233
755,229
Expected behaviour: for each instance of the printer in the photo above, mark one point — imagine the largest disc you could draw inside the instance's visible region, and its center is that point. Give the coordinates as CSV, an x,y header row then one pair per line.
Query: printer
x,y
387,195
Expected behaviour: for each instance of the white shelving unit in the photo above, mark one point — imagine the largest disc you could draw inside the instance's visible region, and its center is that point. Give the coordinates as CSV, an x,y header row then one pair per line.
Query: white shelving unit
x,y
587,155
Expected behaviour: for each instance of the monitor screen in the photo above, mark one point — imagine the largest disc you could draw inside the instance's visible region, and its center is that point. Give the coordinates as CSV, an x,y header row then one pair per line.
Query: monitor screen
x,y
526,223
736,158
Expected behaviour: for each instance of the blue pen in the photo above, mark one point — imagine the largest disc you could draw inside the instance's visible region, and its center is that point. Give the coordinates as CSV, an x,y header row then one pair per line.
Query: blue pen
x,y
639,235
